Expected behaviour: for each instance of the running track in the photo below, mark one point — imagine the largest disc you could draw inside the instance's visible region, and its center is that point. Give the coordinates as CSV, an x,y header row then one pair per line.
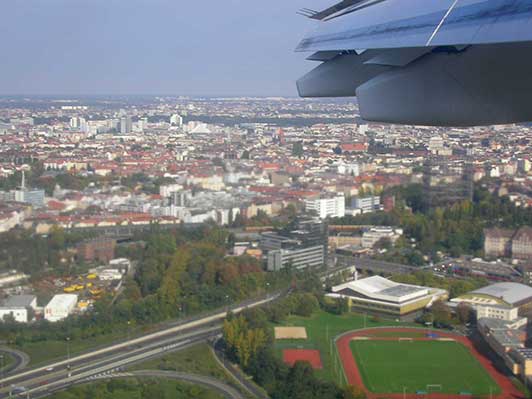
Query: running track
x,y
354,377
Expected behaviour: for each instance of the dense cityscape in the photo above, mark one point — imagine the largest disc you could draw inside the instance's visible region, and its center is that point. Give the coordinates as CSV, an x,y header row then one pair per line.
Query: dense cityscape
x,y
120,216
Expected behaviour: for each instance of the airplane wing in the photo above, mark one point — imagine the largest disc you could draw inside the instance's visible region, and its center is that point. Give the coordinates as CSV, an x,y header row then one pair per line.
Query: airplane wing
x,y
427,62
352,24
338,9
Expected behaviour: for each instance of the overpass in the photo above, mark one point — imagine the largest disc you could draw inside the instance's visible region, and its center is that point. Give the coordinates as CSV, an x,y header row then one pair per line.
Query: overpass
x,y
59,375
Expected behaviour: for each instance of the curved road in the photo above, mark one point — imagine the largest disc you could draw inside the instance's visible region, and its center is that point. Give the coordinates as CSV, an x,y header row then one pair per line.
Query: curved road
x,y
207,382
21,359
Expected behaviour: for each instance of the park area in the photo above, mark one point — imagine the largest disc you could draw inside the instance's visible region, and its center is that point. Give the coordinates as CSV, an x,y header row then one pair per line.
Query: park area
x,y
415,366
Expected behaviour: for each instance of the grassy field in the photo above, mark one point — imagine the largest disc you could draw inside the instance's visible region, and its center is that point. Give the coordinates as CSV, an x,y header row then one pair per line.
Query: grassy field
x,y
391,366
322,328
197,359
51,350
132,388
7,362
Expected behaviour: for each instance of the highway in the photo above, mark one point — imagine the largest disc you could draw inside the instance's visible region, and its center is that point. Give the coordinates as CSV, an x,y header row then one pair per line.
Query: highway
x,y
42,381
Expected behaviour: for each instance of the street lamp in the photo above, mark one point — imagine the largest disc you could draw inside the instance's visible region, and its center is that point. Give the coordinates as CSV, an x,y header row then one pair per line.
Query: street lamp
x,y
68,353
2,371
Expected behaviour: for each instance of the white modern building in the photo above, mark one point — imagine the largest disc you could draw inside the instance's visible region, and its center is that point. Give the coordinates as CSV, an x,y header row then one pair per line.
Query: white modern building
x,y
324,207
176,120
297,258
367,204
60,307
377,294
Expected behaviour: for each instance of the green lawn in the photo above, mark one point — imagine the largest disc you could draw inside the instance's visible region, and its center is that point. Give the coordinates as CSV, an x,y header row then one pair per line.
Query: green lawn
x,y
390,366
197,359
143,388
7,362
322,328
52,350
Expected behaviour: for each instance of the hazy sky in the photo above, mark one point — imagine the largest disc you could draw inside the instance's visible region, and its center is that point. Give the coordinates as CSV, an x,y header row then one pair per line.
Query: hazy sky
x,y
189,47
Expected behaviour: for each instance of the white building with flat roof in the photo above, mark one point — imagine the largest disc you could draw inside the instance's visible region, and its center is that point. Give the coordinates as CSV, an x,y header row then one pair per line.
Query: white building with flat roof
x,y
325,207
379,295
60,307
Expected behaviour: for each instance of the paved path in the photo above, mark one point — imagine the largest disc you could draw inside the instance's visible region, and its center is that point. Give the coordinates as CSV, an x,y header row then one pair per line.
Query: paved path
x,y
354,378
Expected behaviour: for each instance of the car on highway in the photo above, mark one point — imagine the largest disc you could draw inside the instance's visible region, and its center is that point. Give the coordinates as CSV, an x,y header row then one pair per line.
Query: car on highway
x,y
49,369
18,390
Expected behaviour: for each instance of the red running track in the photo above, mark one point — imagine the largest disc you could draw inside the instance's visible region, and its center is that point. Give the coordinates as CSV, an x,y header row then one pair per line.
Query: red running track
x,y
354,378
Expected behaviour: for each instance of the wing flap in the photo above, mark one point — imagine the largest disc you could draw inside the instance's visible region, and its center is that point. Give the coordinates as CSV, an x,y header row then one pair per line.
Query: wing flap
x,y
418,23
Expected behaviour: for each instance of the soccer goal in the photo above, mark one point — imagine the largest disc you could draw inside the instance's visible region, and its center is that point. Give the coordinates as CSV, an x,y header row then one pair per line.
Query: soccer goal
x,y
433,388
405,339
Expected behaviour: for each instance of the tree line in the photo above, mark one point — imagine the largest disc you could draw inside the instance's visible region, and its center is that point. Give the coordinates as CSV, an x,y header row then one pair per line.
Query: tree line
x,y
456,229
179,273
248,341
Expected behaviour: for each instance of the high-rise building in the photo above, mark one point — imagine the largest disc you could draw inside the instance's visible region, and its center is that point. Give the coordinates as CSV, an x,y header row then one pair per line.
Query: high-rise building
x,y
126,125
176,120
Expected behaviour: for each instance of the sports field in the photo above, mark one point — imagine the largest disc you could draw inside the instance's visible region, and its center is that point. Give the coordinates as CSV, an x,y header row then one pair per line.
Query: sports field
x,y
322,328
389,366
311,356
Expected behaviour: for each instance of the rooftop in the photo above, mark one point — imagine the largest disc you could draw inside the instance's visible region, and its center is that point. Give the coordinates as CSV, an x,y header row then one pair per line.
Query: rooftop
x,y
18,301
511,293
380,288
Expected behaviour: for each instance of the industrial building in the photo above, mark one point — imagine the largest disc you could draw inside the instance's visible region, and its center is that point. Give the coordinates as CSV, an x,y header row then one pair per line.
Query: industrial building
x,y
377,294
60,307
19,307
